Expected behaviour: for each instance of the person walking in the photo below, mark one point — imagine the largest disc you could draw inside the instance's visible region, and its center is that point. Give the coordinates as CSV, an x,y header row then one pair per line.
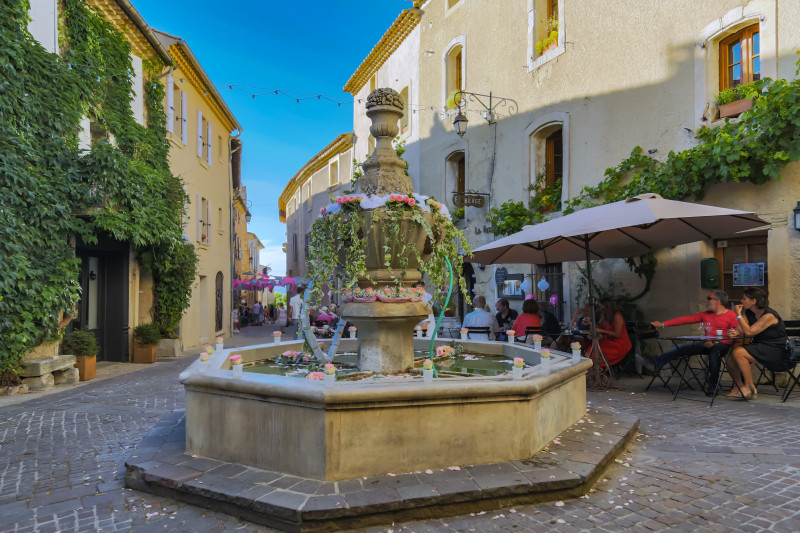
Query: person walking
x,y
257,313
281,316
294,305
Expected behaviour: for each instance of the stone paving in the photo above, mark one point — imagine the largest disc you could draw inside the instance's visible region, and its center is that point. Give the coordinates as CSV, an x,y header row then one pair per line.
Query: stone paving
x,y
735,466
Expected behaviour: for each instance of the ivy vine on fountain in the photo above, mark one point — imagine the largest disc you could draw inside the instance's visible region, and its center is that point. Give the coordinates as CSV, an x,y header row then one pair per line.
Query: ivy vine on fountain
x,y
52,191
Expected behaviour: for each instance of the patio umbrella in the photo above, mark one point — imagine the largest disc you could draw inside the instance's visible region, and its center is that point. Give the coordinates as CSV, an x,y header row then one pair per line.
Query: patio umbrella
x,y
627,228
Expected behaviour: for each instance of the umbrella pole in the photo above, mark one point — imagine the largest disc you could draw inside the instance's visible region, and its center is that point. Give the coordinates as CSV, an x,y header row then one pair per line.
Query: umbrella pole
x,y
600,376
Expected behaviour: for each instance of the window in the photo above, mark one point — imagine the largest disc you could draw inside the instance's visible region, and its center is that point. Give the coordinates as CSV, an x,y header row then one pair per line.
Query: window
x,y
546,31
201,123
307,243
454,70
307,193
455,174
219,148
406,120
183,117
742,250
294,246
334,171
554,158
203,220
740,58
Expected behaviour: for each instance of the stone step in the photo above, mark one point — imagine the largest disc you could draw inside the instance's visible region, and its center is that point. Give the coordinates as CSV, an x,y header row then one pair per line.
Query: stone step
x,y
567,468
46,365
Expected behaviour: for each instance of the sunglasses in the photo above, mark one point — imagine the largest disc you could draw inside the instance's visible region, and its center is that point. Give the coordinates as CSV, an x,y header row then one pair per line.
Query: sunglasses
x,y
711,298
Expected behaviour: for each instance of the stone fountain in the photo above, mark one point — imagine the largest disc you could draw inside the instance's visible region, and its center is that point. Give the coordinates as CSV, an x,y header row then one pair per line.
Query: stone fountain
x,y
246,445
386,331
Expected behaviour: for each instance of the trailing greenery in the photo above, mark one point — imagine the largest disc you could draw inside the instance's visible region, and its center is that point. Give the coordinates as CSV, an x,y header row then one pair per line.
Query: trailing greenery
x,y
512,216
726,96
79,343
174,269
51,191
338,247
146,334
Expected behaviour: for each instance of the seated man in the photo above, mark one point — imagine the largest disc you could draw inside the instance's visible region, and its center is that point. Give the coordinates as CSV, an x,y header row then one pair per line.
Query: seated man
x,y
551,328
505,316
480,318
716,317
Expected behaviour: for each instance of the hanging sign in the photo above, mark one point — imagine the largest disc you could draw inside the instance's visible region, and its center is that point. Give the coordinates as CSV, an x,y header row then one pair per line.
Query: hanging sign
x,y
500,275
748,274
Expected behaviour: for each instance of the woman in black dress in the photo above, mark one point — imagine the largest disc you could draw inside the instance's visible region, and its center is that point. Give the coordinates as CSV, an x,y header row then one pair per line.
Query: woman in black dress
x,y
768,345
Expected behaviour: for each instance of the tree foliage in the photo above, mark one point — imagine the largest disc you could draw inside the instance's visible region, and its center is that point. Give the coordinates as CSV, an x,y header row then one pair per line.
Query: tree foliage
x,y
51,191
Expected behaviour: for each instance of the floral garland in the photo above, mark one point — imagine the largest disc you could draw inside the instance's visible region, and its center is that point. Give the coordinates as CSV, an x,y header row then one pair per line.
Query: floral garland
x,y
338,246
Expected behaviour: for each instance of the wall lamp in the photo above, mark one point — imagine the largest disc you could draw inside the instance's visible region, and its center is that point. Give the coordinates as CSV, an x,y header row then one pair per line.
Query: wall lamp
x,y
797,217
460,97
248,215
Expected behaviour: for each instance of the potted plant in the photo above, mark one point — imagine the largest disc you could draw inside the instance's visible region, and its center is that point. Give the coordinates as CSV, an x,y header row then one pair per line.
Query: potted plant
x,y
734,101
146,337
551,41
83,345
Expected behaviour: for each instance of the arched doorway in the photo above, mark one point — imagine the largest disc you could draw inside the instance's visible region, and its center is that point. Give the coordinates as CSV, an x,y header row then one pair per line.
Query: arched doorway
x,y
218,293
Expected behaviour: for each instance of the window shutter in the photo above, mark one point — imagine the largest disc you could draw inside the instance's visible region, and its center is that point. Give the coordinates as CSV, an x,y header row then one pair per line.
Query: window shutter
x,y
199,211
208,153
199,133
170,105
184,125
208,221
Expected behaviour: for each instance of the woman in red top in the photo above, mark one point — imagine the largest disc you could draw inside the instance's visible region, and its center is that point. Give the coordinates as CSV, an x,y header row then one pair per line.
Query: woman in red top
x,y
614,340
528,319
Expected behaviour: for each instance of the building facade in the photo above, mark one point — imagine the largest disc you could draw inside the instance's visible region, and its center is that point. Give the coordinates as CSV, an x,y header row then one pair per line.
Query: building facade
x,y
583,102
200,127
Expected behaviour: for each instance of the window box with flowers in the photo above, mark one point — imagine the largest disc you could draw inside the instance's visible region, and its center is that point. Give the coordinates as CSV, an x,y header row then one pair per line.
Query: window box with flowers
x,y
551,41
735,101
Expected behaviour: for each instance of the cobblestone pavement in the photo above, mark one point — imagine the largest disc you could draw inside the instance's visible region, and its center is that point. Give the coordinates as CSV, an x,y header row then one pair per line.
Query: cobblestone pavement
x,y
733,467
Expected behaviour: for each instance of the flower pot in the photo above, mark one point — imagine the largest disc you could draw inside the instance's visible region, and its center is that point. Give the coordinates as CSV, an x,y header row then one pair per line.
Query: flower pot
x,y
276,339
511,339
203,367
86,367
537,345
576,356
351,334
516,372
427,375
464,336
545,362
330,379
144,353
238,370
419,333
734,109
218,347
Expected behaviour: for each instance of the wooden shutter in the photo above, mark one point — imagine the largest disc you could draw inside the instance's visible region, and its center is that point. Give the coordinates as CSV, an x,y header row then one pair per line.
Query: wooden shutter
x,y
208,141
170,105
199,212
208,221
184,123
199,133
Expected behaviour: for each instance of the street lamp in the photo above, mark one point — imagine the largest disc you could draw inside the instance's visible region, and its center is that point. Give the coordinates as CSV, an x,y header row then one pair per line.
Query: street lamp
x,y
247,214
460,122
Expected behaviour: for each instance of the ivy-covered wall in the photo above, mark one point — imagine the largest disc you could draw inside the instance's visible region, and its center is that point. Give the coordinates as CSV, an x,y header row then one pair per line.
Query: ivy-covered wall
x,y
47,185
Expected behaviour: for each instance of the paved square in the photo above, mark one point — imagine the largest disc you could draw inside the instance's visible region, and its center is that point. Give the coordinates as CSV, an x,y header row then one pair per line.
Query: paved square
x,y
733,467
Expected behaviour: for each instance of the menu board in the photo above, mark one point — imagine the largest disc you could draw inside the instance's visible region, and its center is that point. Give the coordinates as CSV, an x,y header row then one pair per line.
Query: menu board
x,y
748,274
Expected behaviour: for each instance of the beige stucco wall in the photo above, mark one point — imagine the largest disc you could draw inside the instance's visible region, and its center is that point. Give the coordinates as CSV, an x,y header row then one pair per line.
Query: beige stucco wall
x,y
213,182
643,82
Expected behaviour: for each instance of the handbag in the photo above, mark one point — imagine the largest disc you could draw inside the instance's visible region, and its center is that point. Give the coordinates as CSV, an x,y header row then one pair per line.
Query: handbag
x,y
793,347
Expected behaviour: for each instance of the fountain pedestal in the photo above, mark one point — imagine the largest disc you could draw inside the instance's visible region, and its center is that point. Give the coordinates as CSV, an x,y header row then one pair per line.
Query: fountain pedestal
x,y
386,332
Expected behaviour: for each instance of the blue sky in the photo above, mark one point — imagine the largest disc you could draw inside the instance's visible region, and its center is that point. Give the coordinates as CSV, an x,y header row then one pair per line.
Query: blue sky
x,y
310,47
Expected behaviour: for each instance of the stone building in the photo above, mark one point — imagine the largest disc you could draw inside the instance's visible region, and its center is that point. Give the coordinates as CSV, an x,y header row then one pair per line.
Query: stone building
x,y
582,103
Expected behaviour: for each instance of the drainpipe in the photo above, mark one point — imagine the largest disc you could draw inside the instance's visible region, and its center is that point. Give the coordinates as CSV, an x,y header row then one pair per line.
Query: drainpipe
x,y
231,209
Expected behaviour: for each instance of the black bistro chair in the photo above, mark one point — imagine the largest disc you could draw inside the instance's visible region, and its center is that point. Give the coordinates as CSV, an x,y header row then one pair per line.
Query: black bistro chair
x,y
478,331
532,331
793,332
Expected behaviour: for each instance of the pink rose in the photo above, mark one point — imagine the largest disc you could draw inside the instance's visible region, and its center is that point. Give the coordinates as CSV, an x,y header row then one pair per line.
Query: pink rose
x,y
392,198
411,202
340,200
305,359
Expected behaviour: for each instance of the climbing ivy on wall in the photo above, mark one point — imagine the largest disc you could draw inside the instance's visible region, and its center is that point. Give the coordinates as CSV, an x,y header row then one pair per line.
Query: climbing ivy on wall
x,y
48,186
753,149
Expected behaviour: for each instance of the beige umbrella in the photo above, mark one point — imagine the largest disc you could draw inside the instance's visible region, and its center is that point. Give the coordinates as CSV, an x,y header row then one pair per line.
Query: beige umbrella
x,y
627,228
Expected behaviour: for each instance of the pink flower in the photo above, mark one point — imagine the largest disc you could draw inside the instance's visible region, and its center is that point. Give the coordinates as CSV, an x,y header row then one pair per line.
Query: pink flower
x,y
236,359
288,353
392,198
305,359
411,202
340,200
330,368
295,355
315,375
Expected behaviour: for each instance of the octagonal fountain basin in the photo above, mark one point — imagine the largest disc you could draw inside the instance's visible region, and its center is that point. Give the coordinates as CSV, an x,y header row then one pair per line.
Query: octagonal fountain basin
x,y
371,427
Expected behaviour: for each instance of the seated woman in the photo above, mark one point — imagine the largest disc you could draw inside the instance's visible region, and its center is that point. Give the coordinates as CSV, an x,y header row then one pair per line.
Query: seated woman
x,y
581,320
325,315
614,340
768,345
529,318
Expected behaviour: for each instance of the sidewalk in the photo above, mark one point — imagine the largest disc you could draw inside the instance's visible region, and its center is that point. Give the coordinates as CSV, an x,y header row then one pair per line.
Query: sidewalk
x,y
735,466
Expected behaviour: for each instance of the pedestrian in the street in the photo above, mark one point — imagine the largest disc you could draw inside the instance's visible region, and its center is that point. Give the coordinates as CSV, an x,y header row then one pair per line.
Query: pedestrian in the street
x,y
295,303
281,316
257,313
271,313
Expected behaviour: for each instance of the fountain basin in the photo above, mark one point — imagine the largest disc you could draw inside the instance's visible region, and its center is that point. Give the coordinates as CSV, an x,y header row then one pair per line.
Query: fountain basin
x,y
353,429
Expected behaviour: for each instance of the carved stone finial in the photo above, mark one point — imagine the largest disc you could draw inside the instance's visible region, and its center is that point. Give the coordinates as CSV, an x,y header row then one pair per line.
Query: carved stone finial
x,y
384,172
